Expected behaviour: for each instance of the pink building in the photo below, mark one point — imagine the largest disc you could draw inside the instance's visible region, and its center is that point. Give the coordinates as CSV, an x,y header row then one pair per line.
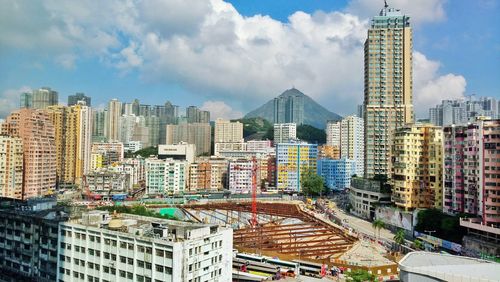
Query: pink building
x,y
39,150
472,170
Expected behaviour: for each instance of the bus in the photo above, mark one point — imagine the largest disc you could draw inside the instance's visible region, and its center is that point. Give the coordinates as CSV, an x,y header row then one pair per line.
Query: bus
x,y
308,268
250,257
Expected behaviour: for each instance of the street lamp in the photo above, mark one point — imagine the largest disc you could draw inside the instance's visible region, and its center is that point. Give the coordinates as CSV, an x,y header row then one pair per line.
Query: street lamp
x,y
429,231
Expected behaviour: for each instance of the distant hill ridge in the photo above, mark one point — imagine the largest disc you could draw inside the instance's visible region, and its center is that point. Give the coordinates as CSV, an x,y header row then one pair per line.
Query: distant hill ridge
x,y
314,113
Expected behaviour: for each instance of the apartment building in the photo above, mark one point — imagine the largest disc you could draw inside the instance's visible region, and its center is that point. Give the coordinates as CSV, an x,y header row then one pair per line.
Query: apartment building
x,y
417,167
11,167
39,149
103,247
285,132
293,160
388,86
28,239
241,176
165,177
191,133
337,173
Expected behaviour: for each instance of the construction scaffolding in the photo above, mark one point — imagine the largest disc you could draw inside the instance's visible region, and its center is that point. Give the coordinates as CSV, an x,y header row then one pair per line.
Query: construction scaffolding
x,y
286,230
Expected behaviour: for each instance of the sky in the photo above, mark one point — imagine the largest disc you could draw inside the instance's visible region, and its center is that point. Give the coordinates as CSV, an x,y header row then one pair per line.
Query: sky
x,y
232,56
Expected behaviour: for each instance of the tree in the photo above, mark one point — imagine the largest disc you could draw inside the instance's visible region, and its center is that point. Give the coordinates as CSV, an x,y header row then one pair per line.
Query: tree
x,y
417,244
360,275
399,237
377,224
312,184
311,134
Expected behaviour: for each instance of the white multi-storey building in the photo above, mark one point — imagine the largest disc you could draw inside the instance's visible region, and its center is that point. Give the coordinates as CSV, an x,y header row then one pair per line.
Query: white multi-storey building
x,y
348,135
333,133
100,247
284,132
240,176
166,176
352,144
227,131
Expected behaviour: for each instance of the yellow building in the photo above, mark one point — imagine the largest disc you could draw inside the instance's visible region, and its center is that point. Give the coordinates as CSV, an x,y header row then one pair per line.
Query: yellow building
x,y
96,161
292,161
328,152
417,166
73,141
11,167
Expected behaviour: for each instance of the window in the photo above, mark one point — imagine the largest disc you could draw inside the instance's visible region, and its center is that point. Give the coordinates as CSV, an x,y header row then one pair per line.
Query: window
x,y
159,252
159,268
123,273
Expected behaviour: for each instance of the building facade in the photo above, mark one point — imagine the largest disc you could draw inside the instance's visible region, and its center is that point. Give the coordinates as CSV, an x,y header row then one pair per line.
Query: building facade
x,y
73,137
388,86
181,151
417,167
285,132
11,167
28,239
39,149
337,173
191,133
73,99
241,176
462,111
44,97
471,158
99,247
112,124
293,160
289,107
104,183
366,194
165,177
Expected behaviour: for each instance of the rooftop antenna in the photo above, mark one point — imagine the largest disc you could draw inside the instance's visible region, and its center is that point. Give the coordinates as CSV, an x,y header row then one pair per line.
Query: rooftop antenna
x,y
385,4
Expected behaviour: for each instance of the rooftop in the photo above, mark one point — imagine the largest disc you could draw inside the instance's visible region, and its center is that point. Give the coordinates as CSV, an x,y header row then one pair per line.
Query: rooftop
x,y
450,267
146,227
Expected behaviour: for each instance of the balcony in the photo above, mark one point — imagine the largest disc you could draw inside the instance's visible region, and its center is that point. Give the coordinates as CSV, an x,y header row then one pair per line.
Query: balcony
x,y
475,223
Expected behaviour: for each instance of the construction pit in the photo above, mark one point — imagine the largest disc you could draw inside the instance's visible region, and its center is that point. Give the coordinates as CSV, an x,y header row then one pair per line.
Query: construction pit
x,y
290,231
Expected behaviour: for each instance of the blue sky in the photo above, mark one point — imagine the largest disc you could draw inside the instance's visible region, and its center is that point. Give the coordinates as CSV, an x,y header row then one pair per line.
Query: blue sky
x,y
230,58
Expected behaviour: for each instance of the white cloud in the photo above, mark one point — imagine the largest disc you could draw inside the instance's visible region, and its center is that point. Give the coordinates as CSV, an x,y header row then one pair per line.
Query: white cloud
x,y
420,11
9,100
219,109
209,48
430,87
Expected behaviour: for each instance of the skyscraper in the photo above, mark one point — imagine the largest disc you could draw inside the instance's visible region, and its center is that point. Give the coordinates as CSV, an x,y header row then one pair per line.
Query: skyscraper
x,y
289,107
26,100
388,86
352,141
73,132
113,120
39,150
98,122
191,133
44,97
73,99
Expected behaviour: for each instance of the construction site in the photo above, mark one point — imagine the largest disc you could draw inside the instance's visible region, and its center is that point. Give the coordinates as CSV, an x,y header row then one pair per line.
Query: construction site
x,y
290,231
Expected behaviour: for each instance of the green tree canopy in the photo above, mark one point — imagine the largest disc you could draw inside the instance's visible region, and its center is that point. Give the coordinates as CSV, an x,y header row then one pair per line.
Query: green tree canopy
x,y
145,153
399,237
311,134
360,275
312,184
446,226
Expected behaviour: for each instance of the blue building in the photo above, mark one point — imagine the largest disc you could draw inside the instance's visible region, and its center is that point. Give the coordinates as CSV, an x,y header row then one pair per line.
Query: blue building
x,y
337,173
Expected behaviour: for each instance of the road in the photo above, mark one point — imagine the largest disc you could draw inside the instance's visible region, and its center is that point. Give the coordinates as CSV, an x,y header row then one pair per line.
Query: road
x,y
363,226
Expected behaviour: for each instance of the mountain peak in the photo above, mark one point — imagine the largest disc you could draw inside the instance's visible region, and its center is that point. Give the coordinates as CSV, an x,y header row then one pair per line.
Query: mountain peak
x,y
292,92
314,114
